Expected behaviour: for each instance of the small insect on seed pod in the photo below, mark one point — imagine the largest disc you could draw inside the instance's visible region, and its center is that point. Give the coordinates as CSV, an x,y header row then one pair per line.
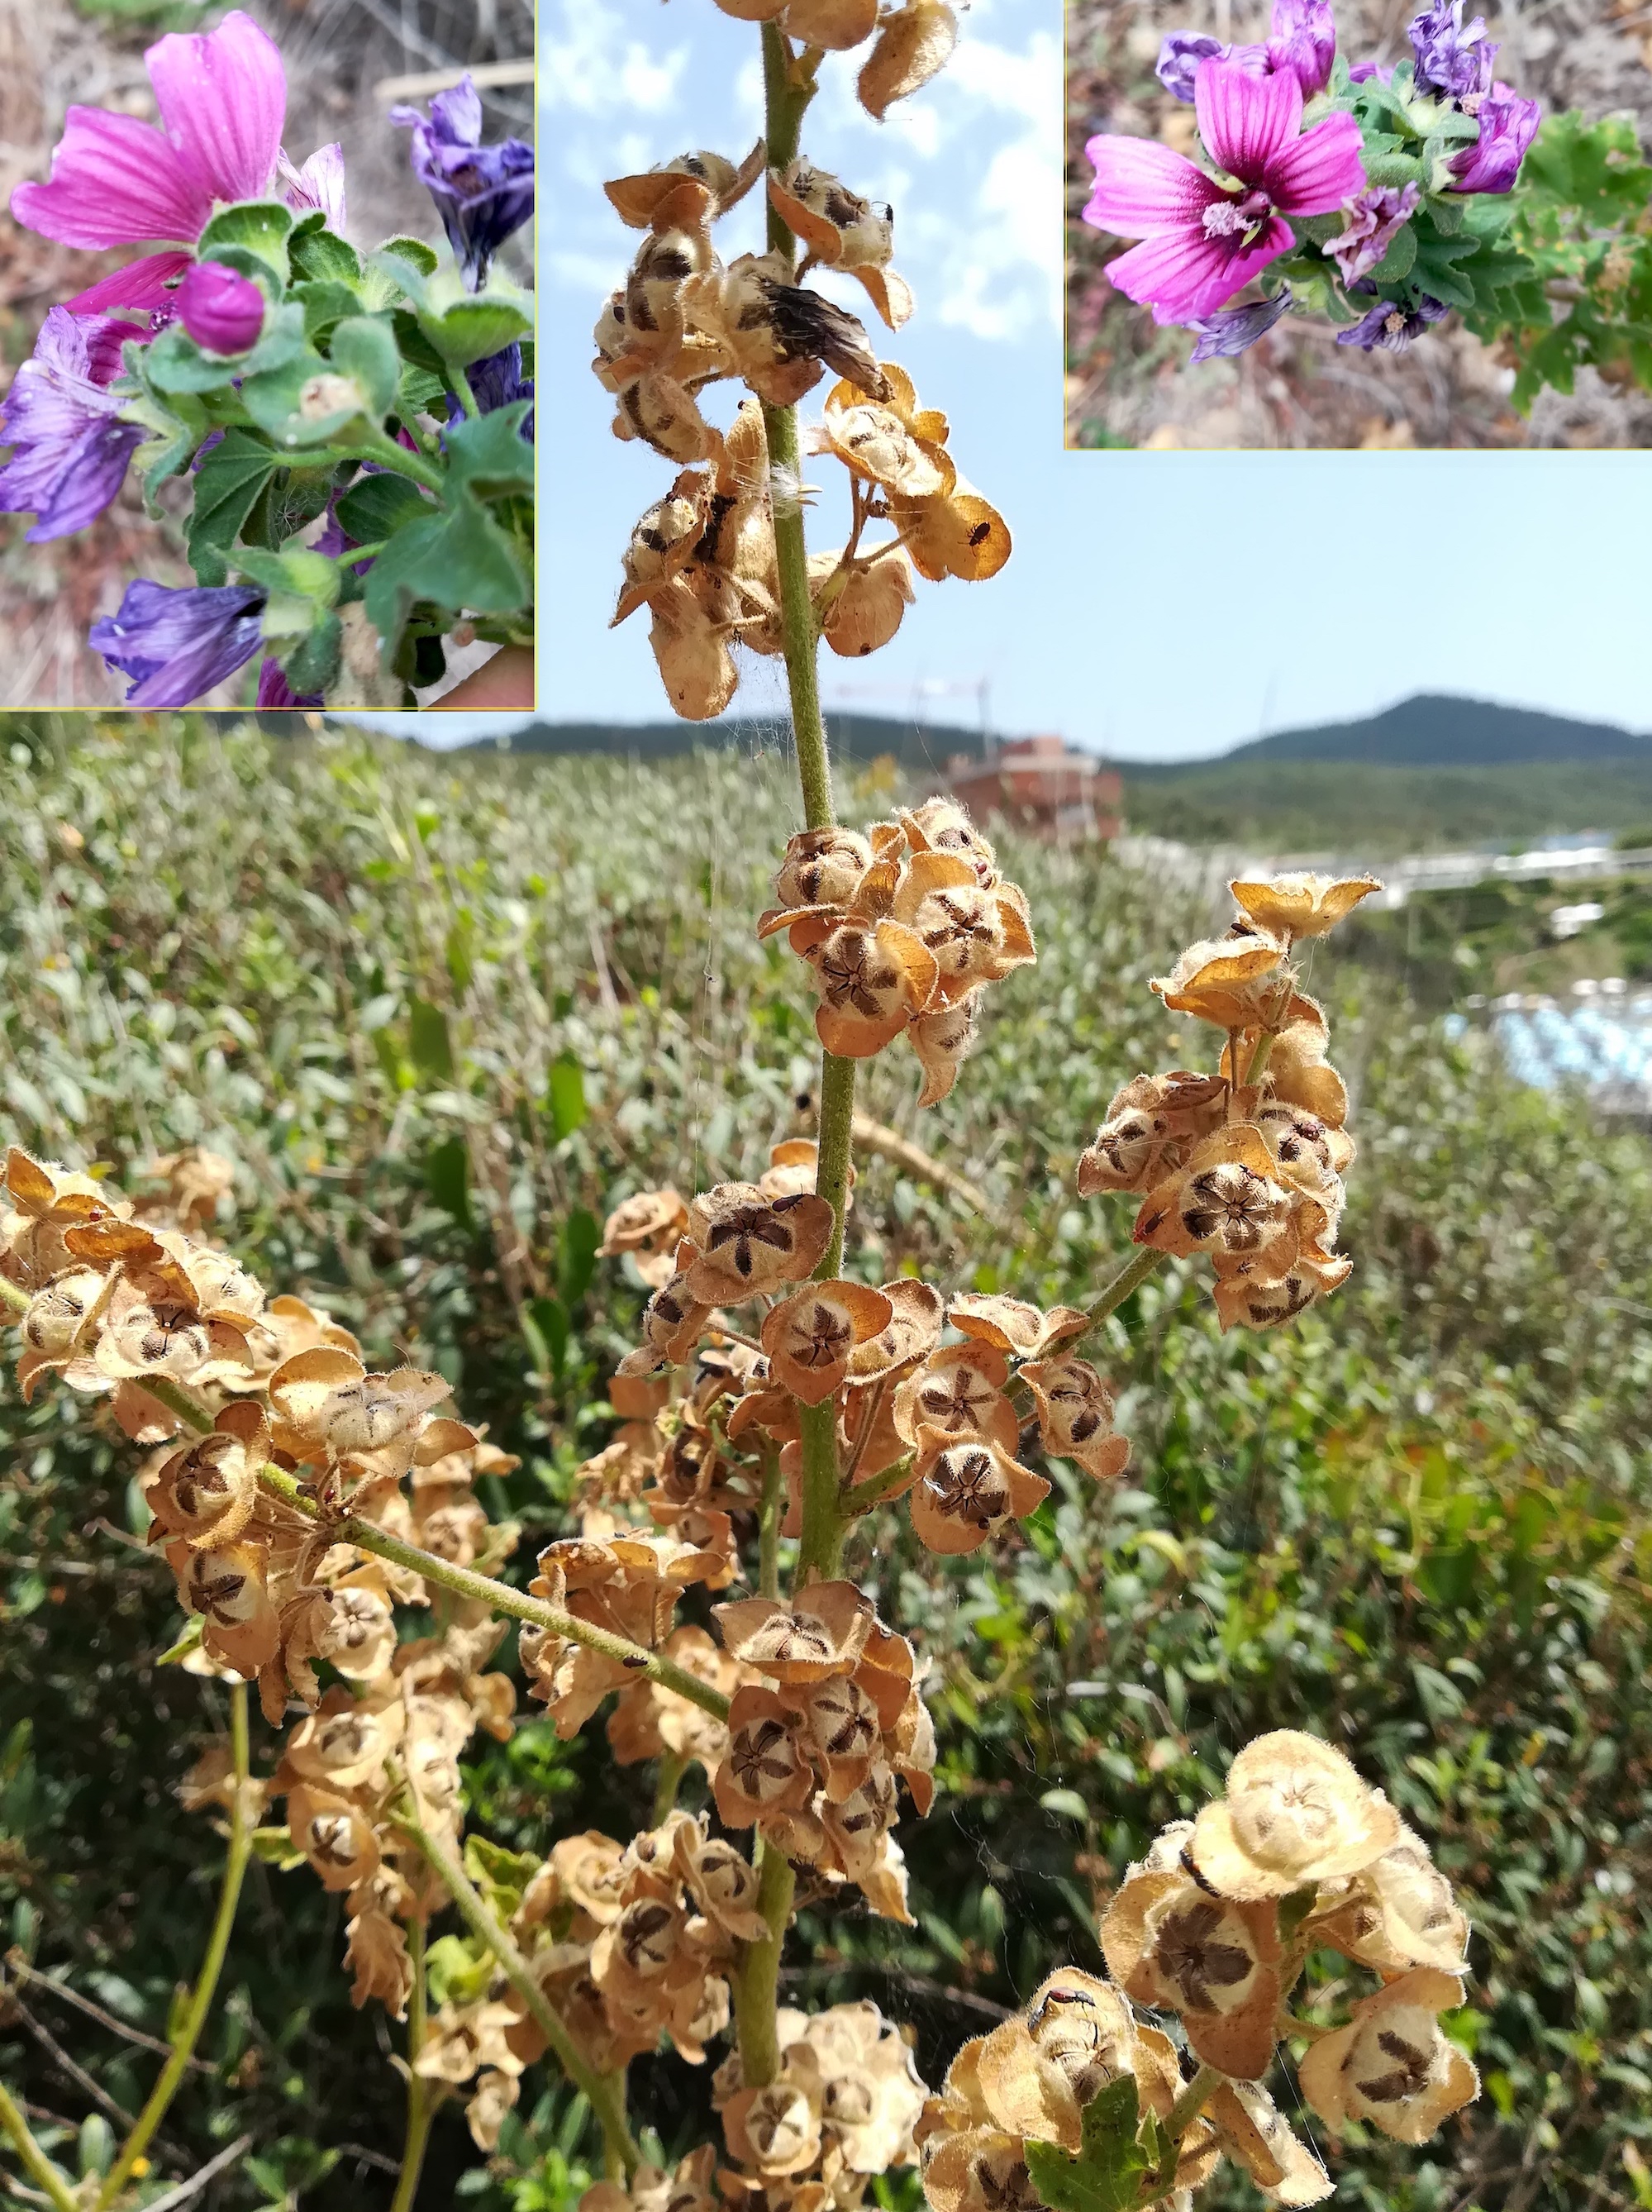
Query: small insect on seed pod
x,y
1233,982
842,231
1036,2072
915,42
810,1336
1296,1812
1391,2064
747,1245
1075,1415
1256,2133
1214,1961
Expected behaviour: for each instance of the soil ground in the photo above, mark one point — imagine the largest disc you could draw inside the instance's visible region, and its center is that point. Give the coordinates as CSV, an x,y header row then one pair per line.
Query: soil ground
x,y
1129,384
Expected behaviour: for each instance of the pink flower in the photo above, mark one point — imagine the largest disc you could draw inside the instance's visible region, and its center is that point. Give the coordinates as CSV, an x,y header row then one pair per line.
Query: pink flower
x,y
116,181
222,311
1203,241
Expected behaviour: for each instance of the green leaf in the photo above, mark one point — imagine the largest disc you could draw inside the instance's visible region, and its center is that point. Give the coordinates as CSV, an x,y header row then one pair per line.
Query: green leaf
x,y
488,455
545,1325
298,572
96,2146
227,485
189,1639
498,1873
428,1042
447,1178
458,1971
565,1095
326,303
1106,2174
423,259
363,350
1397,261
1067,1802
459,559
377,507
176,364
313,663
274,1847
292,498
258,228
576,1256
471,329
320,256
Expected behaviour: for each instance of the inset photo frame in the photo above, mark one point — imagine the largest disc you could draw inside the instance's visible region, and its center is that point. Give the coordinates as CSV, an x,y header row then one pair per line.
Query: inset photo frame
x,y
1343,223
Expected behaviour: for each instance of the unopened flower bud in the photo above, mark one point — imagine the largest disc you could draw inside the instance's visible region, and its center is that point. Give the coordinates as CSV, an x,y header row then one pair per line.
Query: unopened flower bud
x,y
222,311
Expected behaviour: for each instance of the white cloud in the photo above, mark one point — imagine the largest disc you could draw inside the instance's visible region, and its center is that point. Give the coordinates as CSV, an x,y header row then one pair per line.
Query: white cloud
x,y
586,63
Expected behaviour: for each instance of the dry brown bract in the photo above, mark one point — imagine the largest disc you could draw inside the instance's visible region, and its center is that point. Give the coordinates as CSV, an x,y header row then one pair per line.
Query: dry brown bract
x,y
1391,2065
1306,905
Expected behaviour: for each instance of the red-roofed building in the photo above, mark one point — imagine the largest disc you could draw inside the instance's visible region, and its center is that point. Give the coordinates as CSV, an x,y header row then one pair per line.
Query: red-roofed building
x,y
1039,785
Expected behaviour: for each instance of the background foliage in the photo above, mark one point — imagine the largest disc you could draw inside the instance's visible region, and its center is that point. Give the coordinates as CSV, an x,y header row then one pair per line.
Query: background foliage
x,y
442,1016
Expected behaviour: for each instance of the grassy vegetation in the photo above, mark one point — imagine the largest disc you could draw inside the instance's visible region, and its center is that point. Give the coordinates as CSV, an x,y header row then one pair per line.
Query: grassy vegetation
x,y
1360,807
426,1004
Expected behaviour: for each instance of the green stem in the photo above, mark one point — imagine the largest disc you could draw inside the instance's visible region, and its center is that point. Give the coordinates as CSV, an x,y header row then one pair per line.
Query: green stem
x,y
672,1768
875,1489
1128,1277
499,1596
463,393
1258,1058
757,1971
35,2163
396,457
1192,2101
189,2034
604,2093
420,2102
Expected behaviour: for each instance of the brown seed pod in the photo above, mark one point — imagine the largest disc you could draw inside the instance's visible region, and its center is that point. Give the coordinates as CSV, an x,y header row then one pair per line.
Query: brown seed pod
x,y
965,1494
1391,2065
811,1336
913,43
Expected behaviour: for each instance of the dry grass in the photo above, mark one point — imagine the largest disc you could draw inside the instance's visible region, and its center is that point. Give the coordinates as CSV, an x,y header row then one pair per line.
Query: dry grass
x,y
1130,384
336,52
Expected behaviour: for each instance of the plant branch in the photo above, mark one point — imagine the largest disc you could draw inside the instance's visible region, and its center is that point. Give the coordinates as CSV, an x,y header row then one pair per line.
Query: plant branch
x,y
875,1489
194,2020
1129,1276
768,1527
34,2161
755,1977
464,1581
421,2101
598,2089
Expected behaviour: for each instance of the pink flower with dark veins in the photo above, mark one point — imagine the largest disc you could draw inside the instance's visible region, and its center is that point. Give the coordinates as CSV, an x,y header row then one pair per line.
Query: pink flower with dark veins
x,y
1203,241
222,97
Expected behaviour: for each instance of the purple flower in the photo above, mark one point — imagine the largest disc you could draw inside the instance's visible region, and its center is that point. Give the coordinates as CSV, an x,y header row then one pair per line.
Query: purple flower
x,y
1450,60
1202,242
220,310
495,382
1235,329
68,453
1392,327
116,181
274,690
177,644
1178,58
1304,41
1507,126
1373,220
1362,71
319,183
483,193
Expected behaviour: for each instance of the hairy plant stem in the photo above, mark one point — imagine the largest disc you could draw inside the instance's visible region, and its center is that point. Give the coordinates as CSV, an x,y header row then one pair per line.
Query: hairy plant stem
x,y
200,2004
34,2161
756,1979
347,1529
673,1767
388,454
1176,2123
422,2097
604,2093
1129,1276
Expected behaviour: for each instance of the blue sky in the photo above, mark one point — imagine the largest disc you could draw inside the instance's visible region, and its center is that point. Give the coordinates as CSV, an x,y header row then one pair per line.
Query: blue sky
x,y
1156,604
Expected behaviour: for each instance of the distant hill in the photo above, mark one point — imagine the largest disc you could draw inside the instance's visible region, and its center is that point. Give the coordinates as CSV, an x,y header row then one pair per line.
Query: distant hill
x,y
861,738
1432,732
